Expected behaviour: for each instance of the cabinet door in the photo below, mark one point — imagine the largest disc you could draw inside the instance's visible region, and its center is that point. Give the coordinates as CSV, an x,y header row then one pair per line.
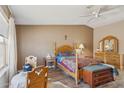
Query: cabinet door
x,y
108,58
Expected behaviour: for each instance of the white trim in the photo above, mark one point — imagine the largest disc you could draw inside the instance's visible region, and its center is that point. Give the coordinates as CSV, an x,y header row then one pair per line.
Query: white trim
x,y
3,15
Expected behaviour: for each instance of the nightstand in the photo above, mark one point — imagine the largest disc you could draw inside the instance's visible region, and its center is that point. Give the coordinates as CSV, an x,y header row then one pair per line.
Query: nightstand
x,y
50,62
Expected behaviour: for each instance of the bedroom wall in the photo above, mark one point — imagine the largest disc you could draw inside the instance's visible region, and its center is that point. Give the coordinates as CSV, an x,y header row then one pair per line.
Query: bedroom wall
x,y
40,40
115,29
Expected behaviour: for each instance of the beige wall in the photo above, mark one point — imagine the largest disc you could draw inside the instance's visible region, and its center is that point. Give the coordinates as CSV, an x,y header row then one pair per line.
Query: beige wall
x,y
39,40
115,29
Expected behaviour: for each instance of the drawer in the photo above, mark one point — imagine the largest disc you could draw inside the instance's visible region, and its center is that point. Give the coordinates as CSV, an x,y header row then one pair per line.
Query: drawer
x,y
117,63
117,66
115,56
115,59
105,76
110,62
101,73
103,81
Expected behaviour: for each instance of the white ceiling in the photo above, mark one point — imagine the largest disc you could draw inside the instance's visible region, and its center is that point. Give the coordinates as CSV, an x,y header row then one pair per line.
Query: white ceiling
x,y
62,15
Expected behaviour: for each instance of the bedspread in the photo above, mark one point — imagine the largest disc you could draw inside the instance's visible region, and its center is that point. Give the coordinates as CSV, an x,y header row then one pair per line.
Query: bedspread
x,y
70,62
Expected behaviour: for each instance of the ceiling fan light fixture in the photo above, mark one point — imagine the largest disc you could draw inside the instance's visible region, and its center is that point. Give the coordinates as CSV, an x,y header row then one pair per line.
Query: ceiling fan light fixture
x,y
93,12
96,15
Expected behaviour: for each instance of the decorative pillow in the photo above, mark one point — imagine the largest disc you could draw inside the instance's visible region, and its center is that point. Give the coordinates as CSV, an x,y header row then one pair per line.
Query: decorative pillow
x,y
59,54
68,53
27,67
65,54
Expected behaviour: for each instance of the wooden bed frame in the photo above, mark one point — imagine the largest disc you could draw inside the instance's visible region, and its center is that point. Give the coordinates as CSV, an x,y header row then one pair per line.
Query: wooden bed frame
x,y
77,74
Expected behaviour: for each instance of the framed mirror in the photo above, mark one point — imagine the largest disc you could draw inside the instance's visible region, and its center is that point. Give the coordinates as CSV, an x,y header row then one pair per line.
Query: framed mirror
x,y
108,44
100,46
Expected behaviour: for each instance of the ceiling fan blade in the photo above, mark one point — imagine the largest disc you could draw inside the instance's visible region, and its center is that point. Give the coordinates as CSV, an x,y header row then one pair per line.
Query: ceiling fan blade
x,y
91,19
98,13
86,15
109,12
110,7
101,18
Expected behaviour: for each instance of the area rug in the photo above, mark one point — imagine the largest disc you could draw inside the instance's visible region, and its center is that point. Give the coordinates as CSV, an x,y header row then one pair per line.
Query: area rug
x,y
57,84
58,79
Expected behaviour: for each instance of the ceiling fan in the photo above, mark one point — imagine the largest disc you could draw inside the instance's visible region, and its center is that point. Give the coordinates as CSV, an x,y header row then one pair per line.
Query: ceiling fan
x,y
96,12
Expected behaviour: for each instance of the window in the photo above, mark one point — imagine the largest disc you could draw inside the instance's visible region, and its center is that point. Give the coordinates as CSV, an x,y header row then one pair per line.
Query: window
x,y
3,41
2,51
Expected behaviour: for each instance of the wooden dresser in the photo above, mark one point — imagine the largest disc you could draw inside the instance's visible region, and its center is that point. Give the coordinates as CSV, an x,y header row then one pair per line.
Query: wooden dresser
x,y
111,58
97,77
107,51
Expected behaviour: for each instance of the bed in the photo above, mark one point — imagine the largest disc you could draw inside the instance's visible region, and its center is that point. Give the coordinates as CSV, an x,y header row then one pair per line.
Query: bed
x,y
69,61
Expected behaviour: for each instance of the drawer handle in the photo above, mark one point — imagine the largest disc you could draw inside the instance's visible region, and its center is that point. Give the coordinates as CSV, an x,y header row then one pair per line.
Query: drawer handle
x,y
97,75
96,80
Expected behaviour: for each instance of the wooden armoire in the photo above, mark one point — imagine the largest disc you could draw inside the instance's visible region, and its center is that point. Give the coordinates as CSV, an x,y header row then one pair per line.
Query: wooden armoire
x,y
107,51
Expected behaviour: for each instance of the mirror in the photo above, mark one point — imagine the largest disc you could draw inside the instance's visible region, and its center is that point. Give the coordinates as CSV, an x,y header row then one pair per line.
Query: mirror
x,y
100,46
108,44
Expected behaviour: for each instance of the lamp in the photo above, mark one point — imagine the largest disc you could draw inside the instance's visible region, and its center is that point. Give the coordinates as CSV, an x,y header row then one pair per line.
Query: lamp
x,y
81,46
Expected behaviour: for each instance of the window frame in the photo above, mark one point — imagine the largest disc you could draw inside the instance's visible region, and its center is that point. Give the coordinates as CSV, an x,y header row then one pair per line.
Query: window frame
x,y
4,45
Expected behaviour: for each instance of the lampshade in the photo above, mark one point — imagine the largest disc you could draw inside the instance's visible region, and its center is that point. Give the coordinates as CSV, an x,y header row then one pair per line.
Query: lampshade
x,y
81,46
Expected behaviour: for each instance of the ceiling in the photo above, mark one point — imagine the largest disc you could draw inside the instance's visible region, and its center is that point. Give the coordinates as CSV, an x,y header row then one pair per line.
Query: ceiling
x,y
64,15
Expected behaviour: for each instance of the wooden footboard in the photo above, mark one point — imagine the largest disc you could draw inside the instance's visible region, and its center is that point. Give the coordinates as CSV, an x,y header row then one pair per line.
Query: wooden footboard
x,y
72,74
64,49
66,70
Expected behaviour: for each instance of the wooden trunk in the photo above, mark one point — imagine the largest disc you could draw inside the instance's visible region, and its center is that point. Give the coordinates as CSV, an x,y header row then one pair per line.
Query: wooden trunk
x,y
96,78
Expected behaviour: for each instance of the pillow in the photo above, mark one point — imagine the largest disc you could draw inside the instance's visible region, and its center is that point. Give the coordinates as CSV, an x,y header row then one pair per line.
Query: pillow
x,y
67,53
59,59
62,54
70,53
59,54
27,67
73,53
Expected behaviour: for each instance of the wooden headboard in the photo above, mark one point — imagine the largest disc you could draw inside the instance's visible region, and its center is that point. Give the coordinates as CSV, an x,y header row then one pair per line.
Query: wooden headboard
x,y
64,48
